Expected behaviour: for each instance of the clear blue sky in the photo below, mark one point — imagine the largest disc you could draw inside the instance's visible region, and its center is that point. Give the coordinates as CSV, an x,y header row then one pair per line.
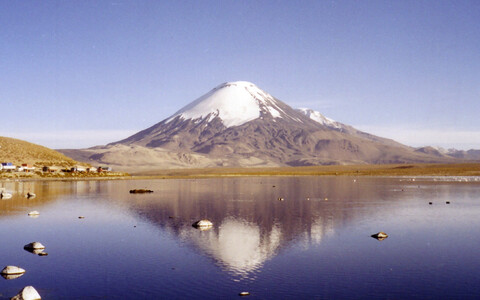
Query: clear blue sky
x,y
81,73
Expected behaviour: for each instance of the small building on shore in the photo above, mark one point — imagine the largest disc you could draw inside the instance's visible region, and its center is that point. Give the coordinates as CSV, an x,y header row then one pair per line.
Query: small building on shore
x,y
104,169
50,169
79,169
28,168
92,170
8,166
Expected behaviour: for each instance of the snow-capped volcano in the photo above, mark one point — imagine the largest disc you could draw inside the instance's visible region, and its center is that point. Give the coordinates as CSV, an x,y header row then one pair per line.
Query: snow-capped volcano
x,y
235,103
239,124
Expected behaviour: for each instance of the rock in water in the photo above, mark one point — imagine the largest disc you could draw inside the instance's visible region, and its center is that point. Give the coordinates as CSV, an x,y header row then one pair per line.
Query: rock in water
x,y
140,191
12,276
12,270
203,224
380,236
27,293
30,195
4,195
33,213
34,246
34,251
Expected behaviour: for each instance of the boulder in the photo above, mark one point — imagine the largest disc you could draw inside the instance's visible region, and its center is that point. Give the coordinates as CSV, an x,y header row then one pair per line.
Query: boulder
x,y
140,191
27,293
4,195
12,270
203,224
34,246
11,276
34,251
33,213
380,236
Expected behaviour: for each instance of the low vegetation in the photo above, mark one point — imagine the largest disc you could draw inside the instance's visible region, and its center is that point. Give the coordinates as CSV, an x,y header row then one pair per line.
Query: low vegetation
x,y
469,169
21,152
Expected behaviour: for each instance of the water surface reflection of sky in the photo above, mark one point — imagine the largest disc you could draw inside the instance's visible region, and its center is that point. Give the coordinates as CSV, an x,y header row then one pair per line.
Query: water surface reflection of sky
x,y
314,243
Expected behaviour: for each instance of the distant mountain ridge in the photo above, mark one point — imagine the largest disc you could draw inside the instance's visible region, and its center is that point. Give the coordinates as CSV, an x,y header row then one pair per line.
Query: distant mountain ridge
x,y
471,154
237,124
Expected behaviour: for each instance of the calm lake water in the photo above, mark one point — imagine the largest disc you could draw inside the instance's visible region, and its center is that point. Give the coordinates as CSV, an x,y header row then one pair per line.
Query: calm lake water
x,y
315,244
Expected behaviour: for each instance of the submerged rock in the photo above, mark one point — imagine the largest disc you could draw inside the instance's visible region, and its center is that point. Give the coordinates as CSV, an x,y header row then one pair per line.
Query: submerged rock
x,y
140,191
34,246
12,276
380,236
27,293
12,270
203,224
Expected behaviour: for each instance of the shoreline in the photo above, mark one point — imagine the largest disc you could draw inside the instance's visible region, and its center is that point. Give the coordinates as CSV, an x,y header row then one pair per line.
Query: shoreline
x,y
390,170
465,169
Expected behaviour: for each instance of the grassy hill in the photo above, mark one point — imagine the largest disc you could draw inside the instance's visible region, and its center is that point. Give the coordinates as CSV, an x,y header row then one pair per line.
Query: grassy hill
x,y
21,152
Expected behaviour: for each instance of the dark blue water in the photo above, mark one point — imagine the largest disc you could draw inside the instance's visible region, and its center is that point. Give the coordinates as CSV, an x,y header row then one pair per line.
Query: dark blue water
x,y
315,244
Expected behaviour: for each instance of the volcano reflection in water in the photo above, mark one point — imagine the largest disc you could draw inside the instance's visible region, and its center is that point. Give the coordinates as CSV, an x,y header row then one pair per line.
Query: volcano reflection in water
x,y
314,244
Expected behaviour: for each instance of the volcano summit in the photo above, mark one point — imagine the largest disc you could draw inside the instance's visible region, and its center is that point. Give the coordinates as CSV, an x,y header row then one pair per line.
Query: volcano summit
x,y
239,125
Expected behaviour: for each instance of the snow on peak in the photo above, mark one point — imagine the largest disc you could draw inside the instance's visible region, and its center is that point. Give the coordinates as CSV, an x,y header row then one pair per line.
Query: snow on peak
x,y
318,117
235,103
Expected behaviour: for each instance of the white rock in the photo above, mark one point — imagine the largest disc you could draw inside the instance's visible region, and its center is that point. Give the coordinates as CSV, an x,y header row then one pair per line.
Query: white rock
x,y
34,245
12,276
12,270
33,213
4,195
380,236
27,293
35,251
202,224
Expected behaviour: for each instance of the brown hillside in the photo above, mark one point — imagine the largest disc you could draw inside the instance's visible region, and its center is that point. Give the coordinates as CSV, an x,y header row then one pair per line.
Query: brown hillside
x,y
21,152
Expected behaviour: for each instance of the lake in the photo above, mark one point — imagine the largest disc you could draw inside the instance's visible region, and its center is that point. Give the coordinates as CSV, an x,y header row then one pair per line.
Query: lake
x,y
315,244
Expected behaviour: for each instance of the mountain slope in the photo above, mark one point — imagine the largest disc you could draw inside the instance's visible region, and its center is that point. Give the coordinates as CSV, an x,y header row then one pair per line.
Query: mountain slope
x,y
19,152
238,124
